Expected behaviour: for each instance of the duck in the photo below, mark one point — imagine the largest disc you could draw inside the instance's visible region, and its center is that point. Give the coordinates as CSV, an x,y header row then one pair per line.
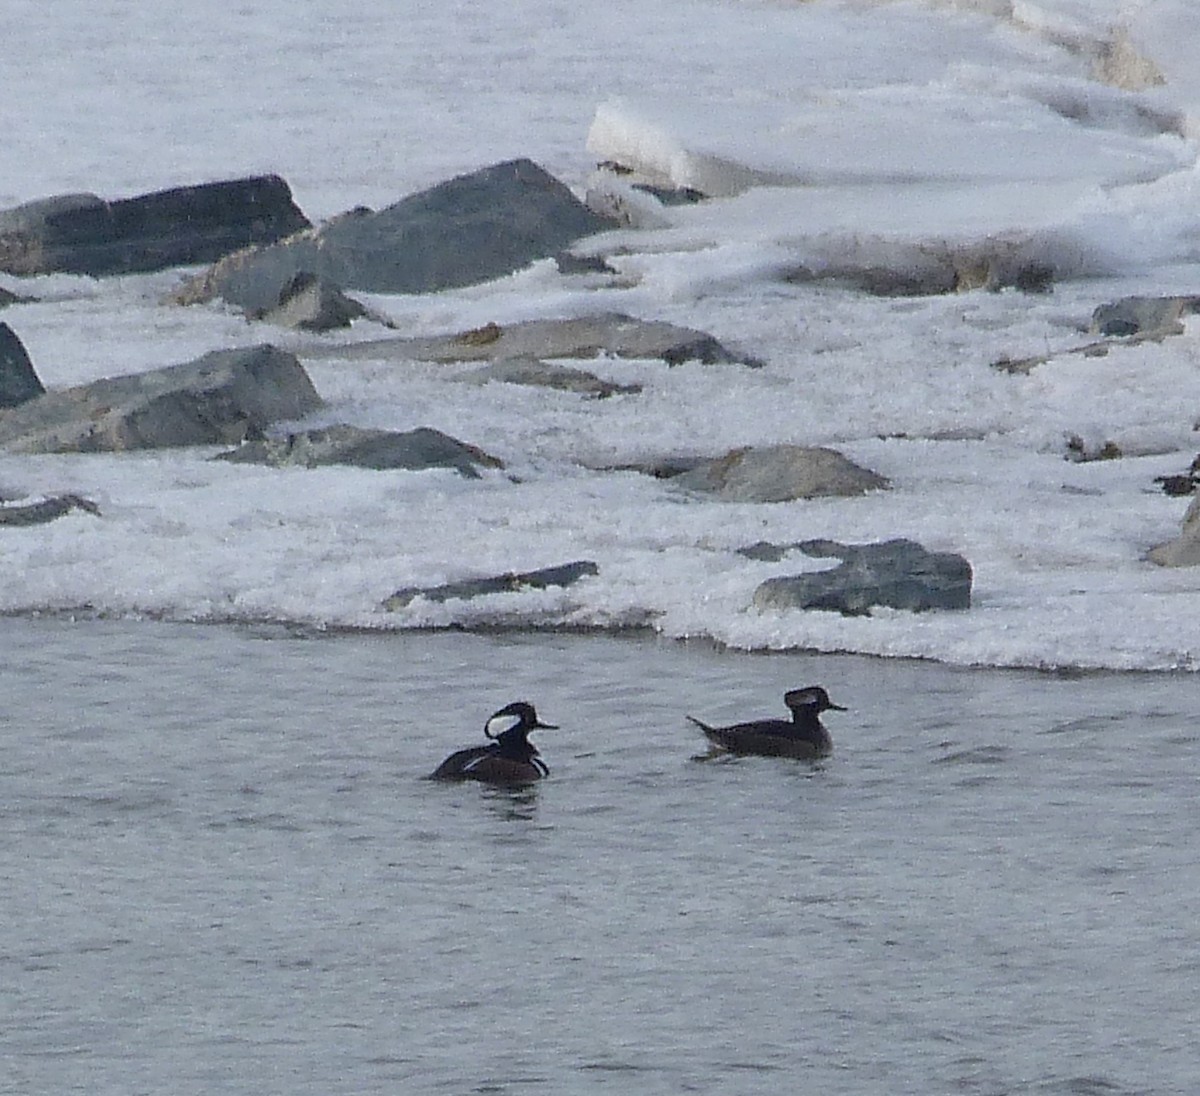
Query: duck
x,y
804,737
510,758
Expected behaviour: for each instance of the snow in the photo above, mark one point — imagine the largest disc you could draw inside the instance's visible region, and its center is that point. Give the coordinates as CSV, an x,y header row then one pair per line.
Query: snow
x,y
837,137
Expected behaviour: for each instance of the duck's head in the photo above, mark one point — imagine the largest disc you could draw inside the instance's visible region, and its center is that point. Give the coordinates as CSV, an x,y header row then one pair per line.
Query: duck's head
x,y
517,716
813,698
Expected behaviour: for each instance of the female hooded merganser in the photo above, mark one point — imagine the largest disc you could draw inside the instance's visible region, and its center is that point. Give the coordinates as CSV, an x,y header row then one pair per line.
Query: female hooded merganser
x,y
510,758
804,736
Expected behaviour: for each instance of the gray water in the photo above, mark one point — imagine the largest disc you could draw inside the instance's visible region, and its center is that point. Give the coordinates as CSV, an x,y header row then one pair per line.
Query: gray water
x,y
222,873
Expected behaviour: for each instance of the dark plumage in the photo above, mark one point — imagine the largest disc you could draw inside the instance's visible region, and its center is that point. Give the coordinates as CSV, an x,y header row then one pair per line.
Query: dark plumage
x,y
804,736
510,758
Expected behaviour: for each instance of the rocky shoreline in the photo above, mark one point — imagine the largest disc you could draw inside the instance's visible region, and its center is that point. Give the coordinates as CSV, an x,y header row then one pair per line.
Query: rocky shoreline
x,y
271,264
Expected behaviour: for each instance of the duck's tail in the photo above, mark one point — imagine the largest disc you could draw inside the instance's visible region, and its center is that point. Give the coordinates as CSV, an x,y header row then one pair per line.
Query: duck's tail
x,y
703,726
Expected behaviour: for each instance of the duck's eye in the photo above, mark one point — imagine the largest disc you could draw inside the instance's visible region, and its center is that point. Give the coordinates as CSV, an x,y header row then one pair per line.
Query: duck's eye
x,y
501,722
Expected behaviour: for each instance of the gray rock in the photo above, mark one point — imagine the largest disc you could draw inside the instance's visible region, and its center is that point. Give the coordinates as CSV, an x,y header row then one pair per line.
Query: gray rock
x,y
7,297
1184,550
533,371
611,333
18,380
899,574
470,229
84,234
378,449
565,574
780,473
1148,317
220,398
38,513
309,303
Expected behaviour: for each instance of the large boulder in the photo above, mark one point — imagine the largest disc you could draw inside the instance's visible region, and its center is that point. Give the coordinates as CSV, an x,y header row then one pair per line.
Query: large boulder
x,y
1184,550
377,449
218,399
470,229
779,473
606,333
84,234
565,574
18,380
898,574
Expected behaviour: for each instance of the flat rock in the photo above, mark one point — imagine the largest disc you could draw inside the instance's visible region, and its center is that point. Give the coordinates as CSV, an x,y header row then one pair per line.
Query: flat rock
x,y
1184,550
511,582
608,333
378,449
467,230
18,380
220,398
898,574
1148,317
84,234
779,473
537,373
17,514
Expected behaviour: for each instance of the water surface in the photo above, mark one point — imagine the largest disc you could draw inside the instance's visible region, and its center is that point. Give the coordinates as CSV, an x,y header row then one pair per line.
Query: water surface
x,y
222,872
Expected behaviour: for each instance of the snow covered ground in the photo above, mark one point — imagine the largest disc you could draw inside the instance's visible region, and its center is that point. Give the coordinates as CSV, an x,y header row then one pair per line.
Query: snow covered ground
x,y
840,137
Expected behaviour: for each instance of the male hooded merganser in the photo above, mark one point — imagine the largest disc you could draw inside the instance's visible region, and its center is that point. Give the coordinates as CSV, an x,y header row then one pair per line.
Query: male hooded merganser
x,y
804,736
510,758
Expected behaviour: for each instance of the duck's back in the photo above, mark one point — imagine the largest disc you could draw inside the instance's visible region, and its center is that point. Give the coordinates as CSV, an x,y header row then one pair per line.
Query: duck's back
x,y
458,765
769,738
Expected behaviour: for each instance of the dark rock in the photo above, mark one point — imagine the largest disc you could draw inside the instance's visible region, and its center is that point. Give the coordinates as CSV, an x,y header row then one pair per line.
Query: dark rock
x,y
18,380
672,195
565,574
310,303
220,398
609,333
38,513
1182,484
7,297
533,371
378,449
1148,317
780,473
569,263
470,229
84,234
899,574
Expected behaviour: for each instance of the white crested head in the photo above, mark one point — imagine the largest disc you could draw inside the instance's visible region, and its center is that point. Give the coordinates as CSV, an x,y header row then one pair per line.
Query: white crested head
x,y
499,723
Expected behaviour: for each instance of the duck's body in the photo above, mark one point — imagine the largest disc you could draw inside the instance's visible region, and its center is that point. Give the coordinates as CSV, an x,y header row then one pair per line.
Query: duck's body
x,y
804,736
510,758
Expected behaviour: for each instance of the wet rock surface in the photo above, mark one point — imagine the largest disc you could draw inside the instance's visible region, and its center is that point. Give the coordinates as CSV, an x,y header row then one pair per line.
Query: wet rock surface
x,y
897,574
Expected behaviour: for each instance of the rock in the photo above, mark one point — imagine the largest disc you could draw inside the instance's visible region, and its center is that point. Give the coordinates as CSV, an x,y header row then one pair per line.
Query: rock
x,y
1184,483
780,473
1148,317
565,574
7,297
470,229
1184,550
611,333
533,371
309,303
220,398
899,574
377,449
38,513
84,234
18,380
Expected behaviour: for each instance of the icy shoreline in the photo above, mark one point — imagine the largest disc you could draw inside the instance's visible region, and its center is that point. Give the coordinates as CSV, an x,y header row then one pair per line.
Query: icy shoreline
x,y
901,385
